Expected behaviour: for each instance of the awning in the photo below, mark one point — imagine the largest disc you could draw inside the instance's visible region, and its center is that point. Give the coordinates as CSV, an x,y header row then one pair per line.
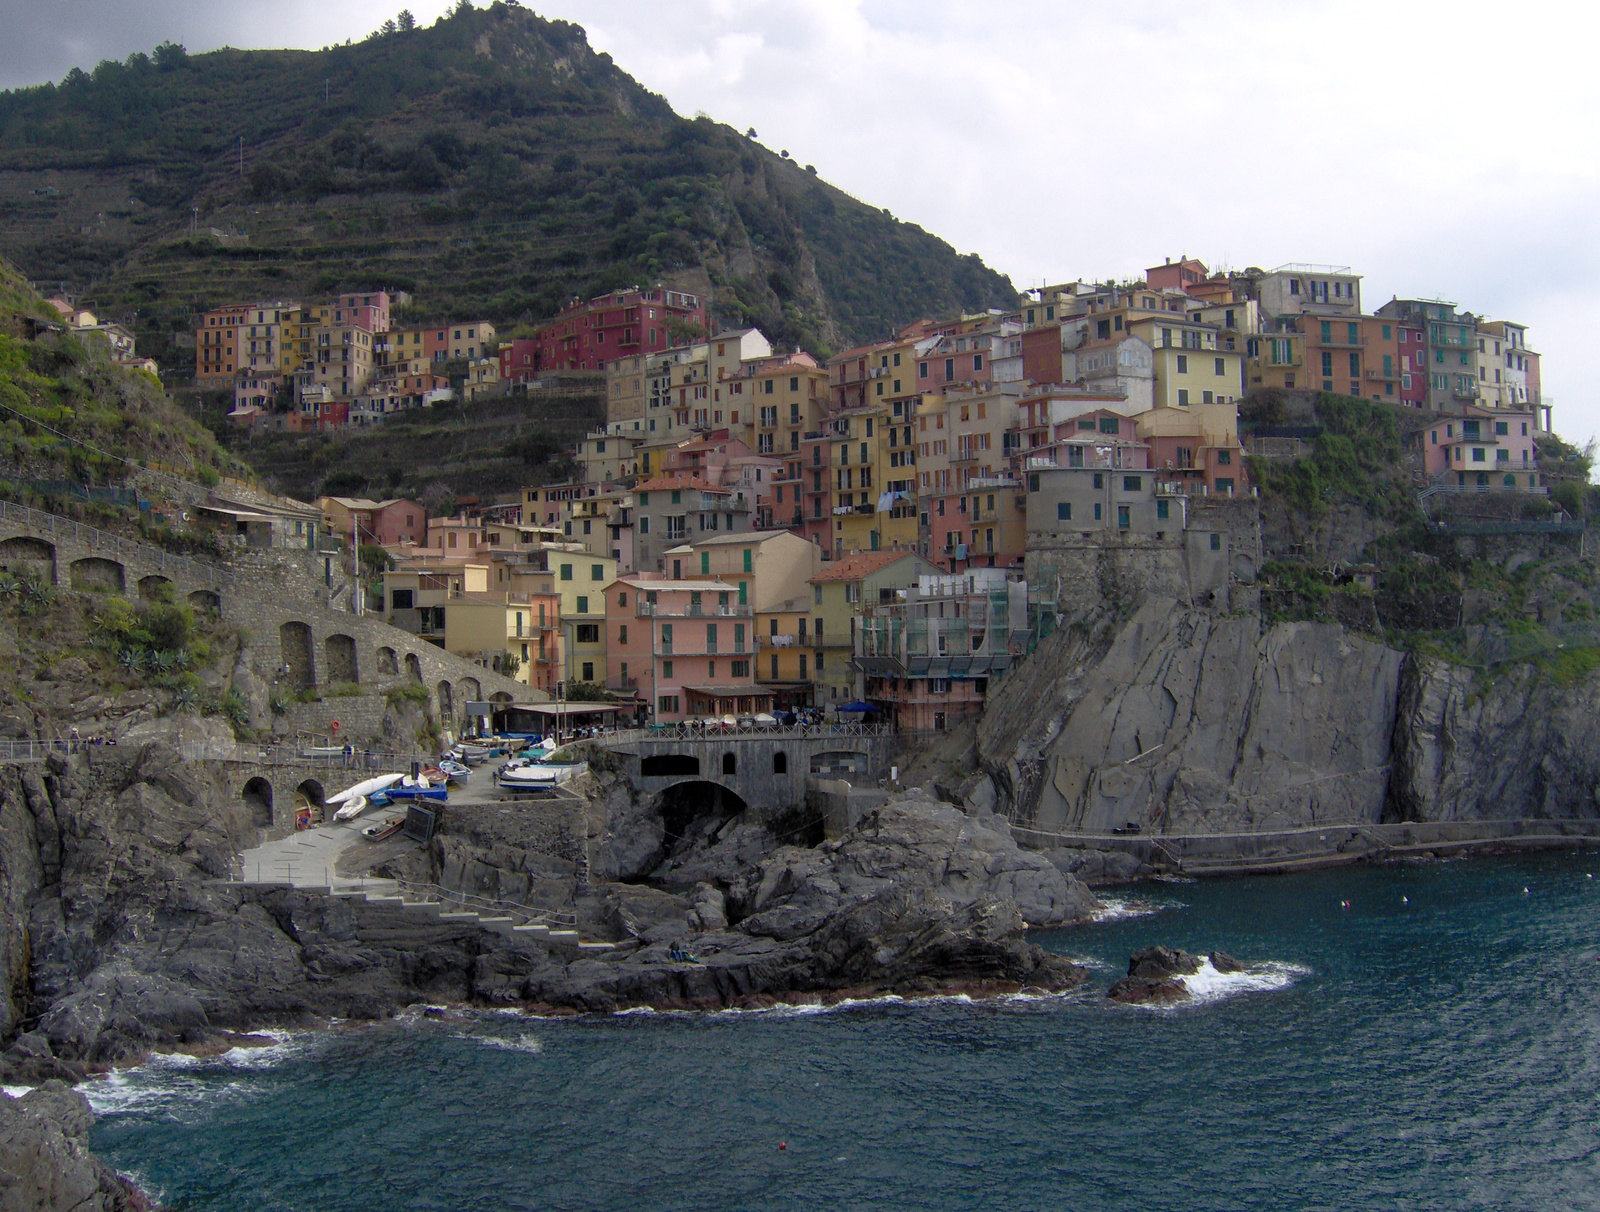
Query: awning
x,y
741,691
564,710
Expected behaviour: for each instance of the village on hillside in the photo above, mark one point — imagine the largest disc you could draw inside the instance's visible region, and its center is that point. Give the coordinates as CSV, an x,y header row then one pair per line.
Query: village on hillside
x,y
753,530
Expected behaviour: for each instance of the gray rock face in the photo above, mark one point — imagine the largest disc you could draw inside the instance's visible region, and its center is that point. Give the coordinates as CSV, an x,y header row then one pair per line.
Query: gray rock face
x,y
1191,722
45,1163
1522,747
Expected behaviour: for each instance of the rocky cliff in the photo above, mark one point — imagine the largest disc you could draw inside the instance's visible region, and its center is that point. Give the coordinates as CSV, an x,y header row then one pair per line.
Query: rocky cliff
x,y
1185,721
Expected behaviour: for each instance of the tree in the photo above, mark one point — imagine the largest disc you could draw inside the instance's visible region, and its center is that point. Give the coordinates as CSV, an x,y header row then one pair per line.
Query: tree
x,y
170,55
387,28
407,21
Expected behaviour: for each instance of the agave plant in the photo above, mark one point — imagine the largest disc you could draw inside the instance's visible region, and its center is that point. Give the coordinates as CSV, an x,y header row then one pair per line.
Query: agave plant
x,y
10,587
164,661
185,698
129,659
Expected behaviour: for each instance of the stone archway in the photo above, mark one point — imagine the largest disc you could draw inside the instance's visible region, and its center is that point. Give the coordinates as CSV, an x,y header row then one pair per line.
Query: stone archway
x,y
413,667
683,803
95,575
155,588
471,690
312,790
206,600
388,662
257,796
298,660
24,554
447,702
339,655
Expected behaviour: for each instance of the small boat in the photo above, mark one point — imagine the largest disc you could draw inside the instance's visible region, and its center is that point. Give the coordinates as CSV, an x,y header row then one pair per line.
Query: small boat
x,y
352,808
418,792
378,799
379,830
454,770
365,787
532,774
434,774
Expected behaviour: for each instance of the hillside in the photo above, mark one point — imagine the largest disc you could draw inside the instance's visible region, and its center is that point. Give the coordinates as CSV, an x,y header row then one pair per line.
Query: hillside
x,y
68,413
493,164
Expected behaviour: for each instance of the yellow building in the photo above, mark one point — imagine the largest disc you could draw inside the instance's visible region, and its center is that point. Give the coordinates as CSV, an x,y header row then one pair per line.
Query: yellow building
x,y
1275,360
786,660
580,581
790,398
487,627
1191,366
838,593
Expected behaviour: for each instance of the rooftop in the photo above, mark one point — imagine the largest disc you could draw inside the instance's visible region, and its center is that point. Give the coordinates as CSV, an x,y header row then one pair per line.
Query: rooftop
x,y
861,564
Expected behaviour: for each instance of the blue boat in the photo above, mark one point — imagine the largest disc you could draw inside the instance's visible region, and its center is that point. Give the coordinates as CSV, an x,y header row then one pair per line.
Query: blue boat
x,y
418,793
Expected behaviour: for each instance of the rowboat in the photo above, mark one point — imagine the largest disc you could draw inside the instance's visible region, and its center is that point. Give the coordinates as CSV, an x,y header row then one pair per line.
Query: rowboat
x,y
379,830
352,808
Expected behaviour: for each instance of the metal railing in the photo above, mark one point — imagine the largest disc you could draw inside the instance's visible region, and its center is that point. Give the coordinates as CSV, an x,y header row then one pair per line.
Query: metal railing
x,y
687,730
115,545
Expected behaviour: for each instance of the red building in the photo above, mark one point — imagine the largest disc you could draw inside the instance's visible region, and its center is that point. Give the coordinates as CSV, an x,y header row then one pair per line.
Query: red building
x,y
518,360
588,334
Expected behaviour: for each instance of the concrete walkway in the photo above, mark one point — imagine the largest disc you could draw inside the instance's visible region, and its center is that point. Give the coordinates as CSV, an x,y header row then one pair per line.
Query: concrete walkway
x,y
310,858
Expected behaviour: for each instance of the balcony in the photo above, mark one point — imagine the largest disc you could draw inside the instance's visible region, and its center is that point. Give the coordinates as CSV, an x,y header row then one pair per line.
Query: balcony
x,y
649,610
1465,391
1341,342
622,685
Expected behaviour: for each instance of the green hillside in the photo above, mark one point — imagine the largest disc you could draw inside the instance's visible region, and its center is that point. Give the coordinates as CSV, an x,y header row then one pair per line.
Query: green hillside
x,y
492,163
68,413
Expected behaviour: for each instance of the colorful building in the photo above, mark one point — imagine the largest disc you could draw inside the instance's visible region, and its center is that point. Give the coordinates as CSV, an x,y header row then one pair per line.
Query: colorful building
x,y
685,648
587,334
839,595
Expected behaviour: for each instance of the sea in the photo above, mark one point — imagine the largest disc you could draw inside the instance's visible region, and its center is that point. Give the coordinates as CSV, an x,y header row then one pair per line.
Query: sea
x,y
1424,1036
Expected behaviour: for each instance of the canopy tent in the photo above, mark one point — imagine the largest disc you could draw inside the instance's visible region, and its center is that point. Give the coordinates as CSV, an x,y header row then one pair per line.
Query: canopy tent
x,y
858,707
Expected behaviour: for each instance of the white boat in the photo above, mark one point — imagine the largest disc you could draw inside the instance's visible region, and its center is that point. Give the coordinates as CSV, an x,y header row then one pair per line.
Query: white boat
x,y
382,783
353,807
532,775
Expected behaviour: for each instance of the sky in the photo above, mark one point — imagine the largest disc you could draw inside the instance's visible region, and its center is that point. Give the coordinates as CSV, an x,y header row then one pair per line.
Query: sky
x,y
1442,150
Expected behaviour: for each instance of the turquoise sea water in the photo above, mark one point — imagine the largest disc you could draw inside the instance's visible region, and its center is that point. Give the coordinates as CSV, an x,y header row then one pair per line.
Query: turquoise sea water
x,y
1438,1052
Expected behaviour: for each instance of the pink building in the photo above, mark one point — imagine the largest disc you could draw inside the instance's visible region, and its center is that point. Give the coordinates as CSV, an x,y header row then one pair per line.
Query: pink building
x,y
1413,363
368,310
517,360
1482,449
684,648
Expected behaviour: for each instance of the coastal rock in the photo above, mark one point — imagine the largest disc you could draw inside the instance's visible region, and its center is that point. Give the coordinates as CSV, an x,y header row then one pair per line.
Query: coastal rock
x,y
1161,963
1142,991
45,1163
1225,963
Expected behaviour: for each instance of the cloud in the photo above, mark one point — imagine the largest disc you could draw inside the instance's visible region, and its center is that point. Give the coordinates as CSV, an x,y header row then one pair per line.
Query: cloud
x,y
1441,150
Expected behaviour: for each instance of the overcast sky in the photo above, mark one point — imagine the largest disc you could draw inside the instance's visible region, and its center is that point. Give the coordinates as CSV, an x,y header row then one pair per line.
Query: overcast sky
x,y
1442,150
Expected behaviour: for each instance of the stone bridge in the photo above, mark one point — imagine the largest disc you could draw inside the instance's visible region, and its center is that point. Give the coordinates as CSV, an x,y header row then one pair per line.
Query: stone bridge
x,y
770,770
297,640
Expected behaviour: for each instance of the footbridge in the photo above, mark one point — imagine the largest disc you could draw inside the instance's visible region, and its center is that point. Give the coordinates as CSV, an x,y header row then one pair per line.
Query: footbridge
x,y
767,768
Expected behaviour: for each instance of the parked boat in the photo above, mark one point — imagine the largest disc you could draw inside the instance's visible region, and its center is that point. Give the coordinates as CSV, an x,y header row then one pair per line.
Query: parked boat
x,y
455,770
379,830
365,787
531,774
418,792
352,808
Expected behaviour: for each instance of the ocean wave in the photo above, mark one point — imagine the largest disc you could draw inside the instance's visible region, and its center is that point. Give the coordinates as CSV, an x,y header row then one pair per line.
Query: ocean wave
x,y
1115,909
173,1080
17,1091
530,1044
1209,985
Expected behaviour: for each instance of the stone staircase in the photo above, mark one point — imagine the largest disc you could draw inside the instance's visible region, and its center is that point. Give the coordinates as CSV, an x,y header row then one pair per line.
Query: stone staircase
x,y
538,925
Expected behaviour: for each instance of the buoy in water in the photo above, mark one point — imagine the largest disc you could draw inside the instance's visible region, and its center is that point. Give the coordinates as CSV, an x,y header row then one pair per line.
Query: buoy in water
x,y
1344,904
1524,892
783,1146
1405,900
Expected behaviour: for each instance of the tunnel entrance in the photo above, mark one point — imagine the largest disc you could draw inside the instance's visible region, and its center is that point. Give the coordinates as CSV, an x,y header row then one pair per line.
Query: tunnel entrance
x,y
684,806
669,765
257,797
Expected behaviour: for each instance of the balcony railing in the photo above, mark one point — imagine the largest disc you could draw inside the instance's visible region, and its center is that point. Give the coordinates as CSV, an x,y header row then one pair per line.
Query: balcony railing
x,y
652,610
622,684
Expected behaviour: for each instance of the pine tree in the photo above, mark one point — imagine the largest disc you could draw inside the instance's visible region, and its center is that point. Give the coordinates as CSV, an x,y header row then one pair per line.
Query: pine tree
x,y
407,21
387,28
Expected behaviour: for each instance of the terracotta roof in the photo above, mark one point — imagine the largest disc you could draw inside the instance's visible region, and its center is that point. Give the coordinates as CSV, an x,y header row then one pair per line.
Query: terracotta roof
x,y
665,484
861,564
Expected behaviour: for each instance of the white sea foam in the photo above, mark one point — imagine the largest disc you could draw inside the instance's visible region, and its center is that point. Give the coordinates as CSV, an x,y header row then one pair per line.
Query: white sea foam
x,y
531,1044
175,1079
17,1091
1209,985
1117,909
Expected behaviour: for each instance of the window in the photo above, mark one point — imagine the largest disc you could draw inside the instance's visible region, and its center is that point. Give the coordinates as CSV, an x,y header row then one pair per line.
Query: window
x,y
667,704
1162,509
1097,516
597,572
1063,511
1216,542
741,669
400,599
666,669
1183,364
1224,458
1183,397
816,596
1220,371
588,633
1110,425
622,634
566,572
1132,483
